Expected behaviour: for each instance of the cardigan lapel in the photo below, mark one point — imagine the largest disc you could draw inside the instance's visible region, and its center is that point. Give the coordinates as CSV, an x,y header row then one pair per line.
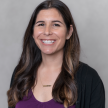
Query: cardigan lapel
x,y
80,81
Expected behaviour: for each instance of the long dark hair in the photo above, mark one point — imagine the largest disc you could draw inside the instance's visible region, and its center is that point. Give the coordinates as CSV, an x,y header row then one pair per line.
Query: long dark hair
x,y
64,89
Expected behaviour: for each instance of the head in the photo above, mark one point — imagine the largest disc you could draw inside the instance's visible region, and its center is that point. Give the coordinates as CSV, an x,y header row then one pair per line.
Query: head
x,y
72,43
50,31
31,56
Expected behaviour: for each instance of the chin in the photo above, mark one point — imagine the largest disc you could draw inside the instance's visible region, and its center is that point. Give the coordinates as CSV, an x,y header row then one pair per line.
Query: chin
x,y
48,52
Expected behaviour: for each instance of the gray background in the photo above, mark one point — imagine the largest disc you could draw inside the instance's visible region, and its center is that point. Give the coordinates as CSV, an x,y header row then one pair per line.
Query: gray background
x,y
91,19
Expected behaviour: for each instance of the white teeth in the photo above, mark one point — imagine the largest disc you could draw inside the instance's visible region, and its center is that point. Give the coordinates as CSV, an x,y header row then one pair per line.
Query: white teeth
x,y
48,41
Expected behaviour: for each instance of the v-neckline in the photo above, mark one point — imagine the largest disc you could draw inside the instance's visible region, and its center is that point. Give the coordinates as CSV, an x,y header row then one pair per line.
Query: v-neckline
x,y
50,101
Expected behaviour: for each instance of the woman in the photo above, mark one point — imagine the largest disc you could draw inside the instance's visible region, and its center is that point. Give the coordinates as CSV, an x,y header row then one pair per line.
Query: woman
x,y
49,73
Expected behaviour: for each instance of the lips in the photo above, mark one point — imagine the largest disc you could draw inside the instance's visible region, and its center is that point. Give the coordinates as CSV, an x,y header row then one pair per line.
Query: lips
x,y
48,41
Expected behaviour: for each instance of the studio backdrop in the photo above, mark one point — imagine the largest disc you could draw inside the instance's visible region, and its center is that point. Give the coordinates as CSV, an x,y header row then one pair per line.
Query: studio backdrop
x,y
91,19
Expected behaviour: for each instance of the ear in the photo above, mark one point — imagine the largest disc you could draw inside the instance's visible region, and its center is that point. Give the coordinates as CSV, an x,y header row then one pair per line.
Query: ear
x,y
70,32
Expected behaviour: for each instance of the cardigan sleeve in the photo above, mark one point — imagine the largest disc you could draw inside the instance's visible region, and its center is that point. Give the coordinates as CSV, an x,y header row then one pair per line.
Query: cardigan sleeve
x,y
91,93
95,89
12,80
98,96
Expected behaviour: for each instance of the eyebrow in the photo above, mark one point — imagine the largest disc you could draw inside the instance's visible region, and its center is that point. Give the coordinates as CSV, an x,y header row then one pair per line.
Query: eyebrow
x,y
52,21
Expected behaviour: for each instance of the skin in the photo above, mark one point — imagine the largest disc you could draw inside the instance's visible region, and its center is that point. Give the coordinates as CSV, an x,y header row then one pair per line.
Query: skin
x,y
49,25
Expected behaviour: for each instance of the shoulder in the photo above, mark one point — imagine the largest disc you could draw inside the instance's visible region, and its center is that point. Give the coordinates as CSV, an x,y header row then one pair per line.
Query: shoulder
x,y
89,82
91,92
86,74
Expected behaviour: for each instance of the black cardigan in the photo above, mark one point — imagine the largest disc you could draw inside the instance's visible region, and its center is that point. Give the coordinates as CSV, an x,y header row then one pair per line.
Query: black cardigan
x,y
91,93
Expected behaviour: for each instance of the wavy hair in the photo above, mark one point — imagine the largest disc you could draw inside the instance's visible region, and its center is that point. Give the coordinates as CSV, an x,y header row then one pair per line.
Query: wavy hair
x,y
65,88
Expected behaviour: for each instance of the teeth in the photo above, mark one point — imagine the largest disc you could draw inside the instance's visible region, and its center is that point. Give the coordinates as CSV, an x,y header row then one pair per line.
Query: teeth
x,y
48,41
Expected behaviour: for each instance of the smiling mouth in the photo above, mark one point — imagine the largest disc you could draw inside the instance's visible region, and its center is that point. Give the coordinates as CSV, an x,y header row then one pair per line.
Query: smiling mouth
x,y
48,41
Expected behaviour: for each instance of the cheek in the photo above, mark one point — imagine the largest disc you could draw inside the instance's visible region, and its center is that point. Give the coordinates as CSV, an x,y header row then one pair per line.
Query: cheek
x,y
61,34
62,37
37,33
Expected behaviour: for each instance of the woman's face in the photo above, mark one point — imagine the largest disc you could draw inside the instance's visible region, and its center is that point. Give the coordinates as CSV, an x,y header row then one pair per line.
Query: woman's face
x,y
50,32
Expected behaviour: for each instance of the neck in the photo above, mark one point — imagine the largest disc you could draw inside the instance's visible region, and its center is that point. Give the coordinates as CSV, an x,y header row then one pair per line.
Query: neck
x,y
52,62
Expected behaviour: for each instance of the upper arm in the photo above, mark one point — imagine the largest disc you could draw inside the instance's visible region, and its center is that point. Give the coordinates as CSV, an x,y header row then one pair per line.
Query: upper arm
x,y
13,76
98,96
12,80
96,89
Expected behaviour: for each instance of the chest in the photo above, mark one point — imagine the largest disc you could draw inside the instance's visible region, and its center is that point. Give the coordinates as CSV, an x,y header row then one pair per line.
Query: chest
x,y
42,94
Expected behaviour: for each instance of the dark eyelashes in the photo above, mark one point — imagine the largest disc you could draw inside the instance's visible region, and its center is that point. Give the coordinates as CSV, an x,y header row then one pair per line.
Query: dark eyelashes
x,y
56,24
44,24
41,25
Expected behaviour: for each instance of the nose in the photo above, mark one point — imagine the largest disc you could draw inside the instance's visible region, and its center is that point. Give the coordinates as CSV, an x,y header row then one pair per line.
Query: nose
x,y
47,30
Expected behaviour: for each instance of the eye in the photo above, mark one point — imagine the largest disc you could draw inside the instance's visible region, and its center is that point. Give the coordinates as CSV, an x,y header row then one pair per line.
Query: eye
x,y
40,24
56,25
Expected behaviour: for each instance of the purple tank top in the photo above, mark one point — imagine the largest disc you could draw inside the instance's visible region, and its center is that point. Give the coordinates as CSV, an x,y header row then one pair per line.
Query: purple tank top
x,y
32,102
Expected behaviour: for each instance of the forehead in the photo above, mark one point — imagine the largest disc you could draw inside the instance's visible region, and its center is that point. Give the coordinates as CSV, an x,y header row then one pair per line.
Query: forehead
x,y
49,14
